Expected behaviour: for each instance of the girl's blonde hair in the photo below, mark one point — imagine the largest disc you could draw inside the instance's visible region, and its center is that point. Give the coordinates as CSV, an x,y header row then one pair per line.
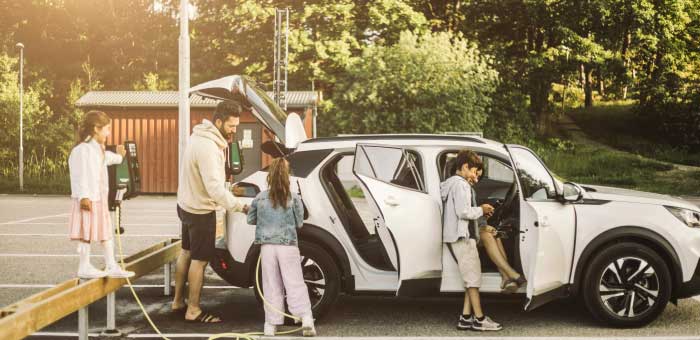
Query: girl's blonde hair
x,y
278,182
92,120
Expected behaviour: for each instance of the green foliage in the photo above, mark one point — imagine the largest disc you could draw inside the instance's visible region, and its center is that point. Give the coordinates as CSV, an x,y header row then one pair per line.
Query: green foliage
x,y
590,164
426,83
616,124
47,140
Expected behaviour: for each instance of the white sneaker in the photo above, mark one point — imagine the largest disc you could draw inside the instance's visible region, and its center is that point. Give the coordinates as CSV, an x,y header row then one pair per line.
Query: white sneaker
x,y
119,273
307,326
269,330
91,272
486,325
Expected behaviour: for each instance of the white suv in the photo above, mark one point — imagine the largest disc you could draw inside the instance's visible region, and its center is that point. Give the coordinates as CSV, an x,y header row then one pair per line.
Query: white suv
x,y
374,225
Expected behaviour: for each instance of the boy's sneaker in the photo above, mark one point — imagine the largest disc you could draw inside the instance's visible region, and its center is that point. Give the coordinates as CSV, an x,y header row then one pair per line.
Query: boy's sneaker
x,y
269,330
465,324
307,326
486,325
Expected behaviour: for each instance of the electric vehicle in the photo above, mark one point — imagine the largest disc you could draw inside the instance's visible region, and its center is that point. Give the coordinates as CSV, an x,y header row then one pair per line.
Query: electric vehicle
x,y
372,224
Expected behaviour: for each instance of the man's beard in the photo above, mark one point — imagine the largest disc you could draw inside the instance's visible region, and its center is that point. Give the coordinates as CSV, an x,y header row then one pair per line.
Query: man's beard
x,y
227,136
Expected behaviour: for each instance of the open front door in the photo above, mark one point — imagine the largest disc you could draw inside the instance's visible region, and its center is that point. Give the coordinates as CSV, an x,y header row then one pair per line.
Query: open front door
x,y
407,218
548,229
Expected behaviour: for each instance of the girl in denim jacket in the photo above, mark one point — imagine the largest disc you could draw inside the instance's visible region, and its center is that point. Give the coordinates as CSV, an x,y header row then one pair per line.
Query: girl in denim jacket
x,y
277,214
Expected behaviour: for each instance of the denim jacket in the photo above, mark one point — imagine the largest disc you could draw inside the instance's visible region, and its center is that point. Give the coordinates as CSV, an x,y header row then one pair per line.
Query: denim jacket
x,y
276,225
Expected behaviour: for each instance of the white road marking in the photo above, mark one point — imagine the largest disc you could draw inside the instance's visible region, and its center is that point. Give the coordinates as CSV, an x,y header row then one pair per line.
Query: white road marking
x,y
32,219
31,286
61,334
52,255
64,235
63,224
201,335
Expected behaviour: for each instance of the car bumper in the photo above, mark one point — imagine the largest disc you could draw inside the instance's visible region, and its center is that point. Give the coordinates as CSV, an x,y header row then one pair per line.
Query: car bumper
x,y
690,288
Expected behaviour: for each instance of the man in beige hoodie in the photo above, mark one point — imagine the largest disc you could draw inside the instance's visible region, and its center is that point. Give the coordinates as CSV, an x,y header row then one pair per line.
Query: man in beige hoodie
x,y
200,192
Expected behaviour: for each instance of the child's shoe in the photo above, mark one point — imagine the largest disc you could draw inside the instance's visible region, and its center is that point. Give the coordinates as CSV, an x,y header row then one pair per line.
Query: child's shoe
x,y
486,324
465,323
119,273
269,330
90,272
307,326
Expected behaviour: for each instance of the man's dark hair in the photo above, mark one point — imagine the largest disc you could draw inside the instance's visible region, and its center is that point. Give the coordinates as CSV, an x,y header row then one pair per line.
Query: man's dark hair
x,y
225,110
467,157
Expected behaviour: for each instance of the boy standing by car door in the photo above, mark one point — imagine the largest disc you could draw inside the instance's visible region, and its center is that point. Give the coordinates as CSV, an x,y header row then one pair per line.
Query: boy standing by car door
x,y
460,233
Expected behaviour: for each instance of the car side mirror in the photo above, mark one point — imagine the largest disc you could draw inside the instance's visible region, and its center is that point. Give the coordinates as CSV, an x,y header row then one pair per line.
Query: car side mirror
x,y
244,189
572,193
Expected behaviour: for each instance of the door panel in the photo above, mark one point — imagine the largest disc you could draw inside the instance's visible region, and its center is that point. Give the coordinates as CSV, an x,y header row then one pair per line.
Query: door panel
x,y
547,226
409,219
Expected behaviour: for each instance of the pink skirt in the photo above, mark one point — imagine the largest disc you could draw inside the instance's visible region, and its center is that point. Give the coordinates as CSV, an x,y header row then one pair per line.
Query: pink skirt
x,y
93,225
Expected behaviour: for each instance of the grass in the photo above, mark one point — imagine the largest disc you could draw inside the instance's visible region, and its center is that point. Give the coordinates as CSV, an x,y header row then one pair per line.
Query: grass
x,y
615,124
59,184
589,163
355,192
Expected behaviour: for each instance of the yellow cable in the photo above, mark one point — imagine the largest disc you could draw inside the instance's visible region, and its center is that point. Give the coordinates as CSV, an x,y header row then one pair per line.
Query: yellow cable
x,y
238,336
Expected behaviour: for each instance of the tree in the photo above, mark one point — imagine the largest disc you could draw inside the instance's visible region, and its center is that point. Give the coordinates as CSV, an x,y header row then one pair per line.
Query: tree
x,y
425,83
47,140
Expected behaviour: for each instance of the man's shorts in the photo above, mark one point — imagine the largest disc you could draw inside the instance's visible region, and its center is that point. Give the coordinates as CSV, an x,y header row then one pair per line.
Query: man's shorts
x,y
198,234
467,255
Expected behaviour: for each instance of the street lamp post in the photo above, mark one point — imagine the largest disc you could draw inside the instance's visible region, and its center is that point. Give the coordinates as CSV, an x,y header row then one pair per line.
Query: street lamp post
x,y
21,114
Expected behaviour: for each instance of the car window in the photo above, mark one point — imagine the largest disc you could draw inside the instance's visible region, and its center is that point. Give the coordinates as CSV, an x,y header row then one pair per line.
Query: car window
x,y
535,180
389,164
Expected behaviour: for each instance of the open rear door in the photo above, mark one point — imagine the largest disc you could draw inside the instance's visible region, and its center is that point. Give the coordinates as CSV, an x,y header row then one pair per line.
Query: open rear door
x,y
408,220
548,229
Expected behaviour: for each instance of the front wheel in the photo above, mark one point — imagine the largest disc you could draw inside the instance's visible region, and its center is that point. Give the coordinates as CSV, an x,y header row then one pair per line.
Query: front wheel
x,y
322,277
627,285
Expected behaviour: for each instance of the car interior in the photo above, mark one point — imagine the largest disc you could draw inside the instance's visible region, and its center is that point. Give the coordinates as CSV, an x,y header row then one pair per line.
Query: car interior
x,y
496,187
368,245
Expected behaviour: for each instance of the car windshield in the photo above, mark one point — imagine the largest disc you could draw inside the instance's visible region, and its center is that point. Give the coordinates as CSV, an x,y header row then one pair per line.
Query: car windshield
x,y
536,181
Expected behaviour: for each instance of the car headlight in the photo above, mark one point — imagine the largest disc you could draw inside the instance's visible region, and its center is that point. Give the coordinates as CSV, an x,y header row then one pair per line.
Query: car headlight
x,y
687,216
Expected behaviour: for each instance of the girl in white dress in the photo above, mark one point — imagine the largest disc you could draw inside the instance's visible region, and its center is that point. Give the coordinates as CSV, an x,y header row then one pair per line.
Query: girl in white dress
x,y
89,216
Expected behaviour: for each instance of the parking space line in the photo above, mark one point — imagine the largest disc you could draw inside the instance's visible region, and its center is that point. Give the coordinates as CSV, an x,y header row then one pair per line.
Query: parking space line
x,y
31,286
64,235
33,219
123,224
52,255
61,334
201,335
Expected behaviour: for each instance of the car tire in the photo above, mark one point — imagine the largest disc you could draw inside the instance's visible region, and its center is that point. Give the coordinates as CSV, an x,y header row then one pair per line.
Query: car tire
x,y
627,285
320,270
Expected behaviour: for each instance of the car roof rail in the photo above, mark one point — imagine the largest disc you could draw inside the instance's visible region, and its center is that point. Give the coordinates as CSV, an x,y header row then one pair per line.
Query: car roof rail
x,y
342,138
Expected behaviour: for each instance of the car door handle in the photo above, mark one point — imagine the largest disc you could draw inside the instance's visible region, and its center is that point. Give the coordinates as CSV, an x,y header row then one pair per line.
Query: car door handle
x,y
390,200
544,223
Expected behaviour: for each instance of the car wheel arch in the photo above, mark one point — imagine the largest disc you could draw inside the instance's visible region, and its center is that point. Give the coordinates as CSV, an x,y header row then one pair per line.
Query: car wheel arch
x,y
316,235
637,234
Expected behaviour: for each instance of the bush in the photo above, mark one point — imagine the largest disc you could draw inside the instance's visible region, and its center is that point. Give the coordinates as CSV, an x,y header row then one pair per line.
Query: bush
x,y
429,83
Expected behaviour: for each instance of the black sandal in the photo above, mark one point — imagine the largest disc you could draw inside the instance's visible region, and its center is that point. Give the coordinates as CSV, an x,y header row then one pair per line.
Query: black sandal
x,y
205,317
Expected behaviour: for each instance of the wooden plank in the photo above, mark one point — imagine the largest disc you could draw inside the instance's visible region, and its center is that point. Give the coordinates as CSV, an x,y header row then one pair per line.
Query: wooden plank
x,y
68,299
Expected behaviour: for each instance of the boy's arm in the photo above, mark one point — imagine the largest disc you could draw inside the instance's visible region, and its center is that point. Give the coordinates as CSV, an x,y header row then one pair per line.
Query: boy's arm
x,y
463,205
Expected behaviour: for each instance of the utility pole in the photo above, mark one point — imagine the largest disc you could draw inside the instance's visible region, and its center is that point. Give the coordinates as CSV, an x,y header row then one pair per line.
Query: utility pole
x,y
281,57
21,116
184,81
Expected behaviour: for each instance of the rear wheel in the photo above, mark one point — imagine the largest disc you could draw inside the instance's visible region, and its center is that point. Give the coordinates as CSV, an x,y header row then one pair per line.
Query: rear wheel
x,y
322,277
627,285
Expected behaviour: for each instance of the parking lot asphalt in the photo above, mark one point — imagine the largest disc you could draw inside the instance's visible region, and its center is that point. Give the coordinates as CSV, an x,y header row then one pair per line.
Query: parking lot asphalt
x,y
36,254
